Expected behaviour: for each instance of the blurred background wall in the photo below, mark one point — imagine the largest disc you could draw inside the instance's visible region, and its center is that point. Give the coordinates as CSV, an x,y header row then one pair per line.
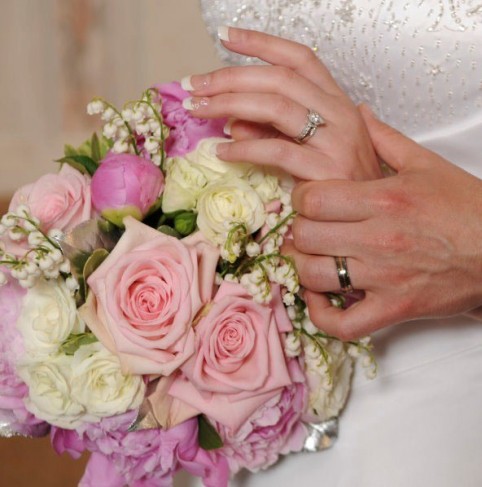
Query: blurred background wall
x,y
55,56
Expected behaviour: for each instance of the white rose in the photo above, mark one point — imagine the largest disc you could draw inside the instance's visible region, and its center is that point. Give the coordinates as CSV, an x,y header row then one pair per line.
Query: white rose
x,y
182,185
327,399
225,201
266,185
47,318
50,395
186,176
213,168
99,384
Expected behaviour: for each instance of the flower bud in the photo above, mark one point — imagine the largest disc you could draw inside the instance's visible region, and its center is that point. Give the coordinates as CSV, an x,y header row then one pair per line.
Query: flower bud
x,y
125,184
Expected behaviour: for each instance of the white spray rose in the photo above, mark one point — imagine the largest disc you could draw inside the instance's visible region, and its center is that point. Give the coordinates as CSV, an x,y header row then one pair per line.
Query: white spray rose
x,y
225,201
183,184
266,185
327,399
48,317
204,158
186,176
99,384
50,395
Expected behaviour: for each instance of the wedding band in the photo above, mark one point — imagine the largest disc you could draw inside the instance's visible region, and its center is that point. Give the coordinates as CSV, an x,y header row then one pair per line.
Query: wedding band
x,y
343,275
313,121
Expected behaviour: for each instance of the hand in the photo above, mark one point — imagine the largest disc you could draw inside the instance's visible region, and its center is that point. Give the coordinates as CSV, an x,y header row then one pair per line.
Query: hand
x,y
270,104
412,241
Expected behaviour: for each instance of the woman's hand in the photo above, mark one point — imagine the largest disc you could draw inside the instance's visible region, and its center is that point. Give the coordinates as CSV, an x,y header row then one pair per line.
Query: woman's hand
x,y
270,104
413,241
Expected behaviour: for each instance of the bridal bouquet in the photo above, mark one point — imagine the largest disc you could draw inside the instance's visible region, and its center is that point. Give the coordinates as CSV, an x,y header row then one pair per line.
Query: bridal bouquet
x,y
148,315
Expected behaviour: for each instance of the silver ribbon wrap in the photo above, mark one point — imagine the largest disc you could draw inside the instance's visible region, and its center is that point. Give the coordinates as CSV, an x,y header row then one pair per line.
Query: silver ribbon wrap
x,y
321,436
6,431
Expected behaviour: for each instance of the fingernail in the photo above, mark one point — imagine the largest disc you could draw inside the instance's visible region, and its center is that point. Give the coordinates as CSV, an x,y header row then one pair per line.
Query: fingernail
x,y
221,149
223,33
227,127
186,83
199,81
193,104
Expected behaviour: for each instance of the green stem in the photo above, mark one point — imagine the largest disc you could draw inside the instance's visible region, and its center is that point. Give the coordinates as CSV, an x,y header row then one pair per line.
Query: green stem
x,y
278,226
161,123
128,127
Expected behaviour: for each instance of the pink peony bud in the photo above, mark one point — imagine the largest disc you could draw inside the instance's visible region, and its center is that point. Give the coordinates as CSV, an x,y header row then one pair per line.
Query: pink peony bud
x,y
125,184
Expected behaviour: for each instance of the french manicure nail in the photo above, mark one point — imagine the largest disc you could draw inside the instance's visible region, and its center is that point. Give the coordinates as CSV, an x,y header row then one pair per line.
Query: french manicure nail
x,y
227,127
223,33
187,104
199,81
193,104
186,83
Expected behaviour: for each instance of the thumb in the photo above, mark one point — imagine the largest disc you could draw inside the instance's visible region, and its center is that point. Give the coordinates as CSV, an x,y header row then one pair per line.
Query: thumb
x,y
392,146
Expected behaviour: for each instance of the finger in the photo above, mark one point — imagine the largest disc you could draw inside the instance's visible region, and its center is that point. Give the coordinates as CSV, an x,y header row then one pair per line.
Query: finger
x,y
359,320
284,114
242,130
392,146
263,79
299,161
281,52
329,238
333,200
319,273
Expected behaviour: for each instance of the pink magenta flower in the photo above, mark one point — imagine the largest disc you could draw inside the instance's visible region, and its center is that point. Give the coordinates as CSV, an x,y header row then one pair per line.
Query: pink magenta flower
x,y
239,361
185,130
142,458
12,389
145,295
59,200
272,430
126,184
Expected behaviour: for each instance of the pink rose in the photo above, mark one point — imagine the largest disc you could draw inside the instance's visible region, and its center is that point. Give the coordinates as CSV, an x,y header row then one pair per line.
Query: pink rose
x,y
185,130
12,389
59,200
239,362
125,184
272,430
145,295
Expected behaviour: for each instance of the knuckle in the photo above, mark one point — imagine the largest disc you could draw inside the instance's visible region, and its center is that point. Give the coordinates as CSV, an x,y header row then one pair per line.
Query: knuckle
x,y
281,151
304,239
309,272
282,107
393,201
284,74
228,76
395,242
310,201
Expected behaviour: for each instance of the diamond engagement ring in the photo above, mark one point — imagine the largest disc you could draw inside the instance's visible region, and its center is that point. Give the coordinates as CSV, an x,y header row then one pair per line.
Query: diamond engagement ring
x,y
343,276
313,121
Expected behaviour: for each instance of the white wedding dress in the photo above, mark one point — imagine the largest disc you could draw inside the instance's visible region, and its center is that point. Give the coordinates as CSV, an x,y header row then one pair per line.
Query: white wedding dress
x,y
418,64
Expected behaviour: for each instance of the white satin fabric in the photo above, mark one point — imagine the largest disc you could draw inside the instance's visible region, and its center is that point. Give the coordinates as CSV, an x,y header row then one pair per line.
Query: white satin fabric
x,y
418,63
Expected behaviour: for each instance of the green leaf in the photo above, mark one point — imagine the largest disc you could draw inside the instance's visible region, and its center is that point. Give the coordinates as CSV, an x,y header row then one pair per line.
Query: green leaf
x,y
95,148
69,150
185,223
166,229
74,342
84,164
94,261
208,437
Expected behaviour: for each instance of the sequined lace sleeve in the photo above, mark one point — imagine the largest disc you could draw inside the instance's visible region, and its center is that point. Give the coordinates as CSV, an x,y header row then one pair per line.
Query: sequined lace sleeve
x,y
418,64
